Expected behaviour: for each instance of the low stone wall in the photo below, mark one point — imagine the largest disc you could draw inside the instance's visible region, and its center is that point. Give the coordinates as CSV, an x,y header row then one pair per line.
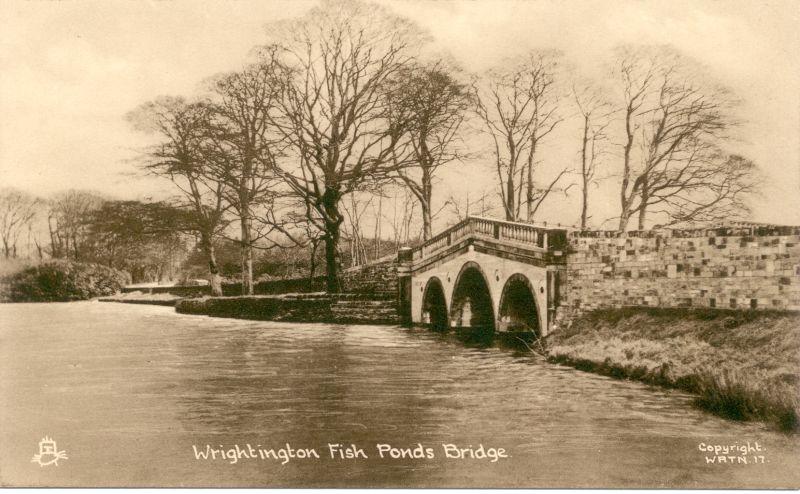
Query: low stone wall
x,y
264,308
737,268
294,285
379,278
341,309
166,303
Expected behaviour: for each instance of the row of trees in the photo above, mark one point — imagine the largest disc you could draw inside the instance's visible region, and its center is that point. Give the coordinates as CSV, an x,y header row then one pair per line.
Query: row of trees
x,y
347,100
148,240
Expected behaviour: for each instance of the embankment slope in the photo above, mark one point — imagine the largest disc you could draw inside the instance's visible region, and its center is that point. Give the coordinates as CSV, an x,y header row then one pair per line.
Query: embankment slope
x,y
743,365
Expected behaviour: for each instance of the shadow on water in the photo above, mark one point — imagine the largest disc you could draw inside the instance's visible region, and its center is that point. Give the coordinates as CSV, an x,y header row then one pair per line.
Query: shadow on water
x,y
519,342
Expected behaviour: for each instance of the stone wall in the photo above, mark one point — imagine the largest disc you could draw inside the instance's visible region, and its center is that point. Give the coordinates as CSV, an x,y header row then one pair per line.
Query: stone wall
x,y
271,287
378,278
741,268
337,309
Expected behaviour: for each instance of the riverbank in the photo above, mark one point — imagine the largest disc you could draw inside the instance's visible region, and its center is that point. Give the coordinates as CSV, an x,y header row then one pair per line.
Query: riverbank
x,y
343,308
138,297
742,365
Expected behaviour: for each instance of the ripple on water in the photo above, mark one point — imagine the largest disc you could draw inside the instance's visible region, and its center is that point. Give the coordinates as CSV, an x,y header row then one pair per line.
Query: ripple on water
x,y
128,389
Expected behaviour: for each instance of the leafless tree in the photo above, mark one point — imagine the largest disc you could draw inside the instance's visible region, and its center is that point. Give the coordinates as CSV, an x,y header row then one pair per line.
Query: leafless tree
x,y
713,189
339,61
183,130
354,211
436,104
462,209
66,221
675,121
243,150
17,211
401,221
595,113
517,104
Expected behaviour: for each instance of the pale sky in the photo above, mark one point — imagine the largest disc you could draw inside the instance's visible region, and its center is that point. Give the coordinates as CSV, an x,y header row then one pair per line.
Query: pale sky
x,y
71,69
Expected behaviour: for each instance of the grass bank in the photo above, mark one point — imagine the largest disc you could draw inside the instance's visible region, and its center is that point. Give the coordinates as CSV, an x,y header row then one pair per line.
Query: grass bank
x,y
742,365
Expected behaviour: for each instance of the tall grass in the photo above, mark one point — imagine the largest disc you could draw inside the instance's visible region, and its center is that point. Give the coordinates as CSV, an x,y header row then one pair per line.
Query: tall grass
x,y
737,397
742,365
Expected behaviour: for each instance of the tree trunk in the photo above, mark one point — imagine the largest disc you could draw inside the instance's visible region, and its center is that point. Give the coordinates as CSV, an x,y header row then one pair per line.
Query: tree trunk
x,y
642,217
333,222
624,217
584,206
313,262
75,247
54,250
645,196
427,231
247,254
585,173
213,269
529,186
625,203
510,192
331,262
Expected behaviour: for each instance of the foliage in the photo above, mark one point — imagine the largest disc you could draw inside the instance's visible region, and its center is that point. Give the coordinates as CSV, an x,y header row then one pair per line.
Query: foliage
x,y
62,281
144,239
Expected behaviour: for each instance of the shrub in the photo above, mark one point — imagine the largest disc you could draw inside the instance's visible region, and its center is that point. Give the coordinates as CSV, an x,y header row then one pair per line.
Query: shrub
x,y
61,281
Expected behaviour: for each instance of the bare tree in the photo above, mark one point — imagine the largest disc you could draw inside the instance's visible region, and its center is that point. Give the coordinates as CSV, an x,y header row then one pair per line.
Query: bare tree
x,y
401,221
462,209
339,61
355,237
183,129
517,105
243,151
712,190
17,210
66,222
675,122
595,113
436,105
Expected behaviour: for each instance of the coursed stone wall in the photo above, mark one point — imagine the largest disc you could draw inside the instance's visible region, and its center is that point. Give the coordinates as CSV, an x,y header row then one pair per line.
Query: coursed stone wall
x,y
732,268
378,278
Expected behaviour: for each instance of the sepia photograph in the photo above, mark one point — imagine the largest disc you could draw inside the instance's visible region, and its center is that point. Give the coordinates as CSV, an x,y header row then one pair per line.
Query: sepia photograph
x,y
400,244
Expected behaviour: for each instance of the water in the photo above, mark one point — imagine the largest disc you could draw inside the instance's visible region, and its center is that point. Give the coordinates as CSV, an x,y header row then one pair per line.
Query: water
x,y
127,391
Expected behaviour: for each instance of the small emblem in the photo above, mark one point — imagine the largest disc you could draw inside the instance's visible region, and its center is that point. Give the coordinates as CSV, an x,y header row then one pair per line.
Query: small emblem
x,y
48,453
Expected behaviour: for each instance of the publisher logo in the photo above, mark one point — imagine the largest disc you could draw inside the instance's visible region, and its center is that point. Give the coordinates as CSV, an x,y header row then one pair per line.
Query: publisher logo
x,y
48,453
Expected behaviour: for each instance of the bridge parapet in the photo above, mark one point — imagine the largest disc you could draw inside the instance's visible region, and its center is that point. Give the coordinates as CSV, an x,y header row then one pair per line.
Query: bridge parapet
x,y
522,234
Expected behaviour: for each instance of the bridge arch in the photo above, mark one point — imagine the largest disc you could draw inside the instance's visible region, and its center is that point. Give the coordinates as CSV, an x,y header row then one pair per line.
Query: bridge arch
x,y
434,305
471,305
519,309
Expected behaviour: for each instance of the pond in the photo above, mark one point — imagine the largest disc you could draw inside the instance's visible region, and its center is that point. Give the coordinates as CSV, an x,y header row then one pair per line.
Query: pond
x,y
137,395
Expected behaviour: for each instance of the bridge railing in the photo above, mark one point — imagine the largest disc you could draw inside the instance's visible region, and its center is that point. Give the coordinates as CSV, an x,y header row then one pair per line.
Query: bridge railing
x,y
524,234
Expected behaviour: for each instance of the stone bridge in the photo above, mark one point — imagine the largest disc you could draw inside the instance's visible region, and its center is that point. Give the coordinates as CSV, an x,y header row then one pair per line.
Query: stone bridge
x,y
484,273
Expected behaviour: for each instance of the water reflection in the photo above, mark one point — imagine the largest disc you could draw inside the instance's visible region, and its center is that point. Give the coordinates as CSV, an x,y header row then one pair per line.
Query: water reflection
x,y
129,401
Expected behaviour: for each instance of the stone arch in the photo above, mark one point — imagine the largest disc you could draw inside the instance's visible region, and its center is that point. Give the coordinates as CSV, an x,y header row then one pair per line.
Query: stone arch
x,y
471,305
518,309
434,305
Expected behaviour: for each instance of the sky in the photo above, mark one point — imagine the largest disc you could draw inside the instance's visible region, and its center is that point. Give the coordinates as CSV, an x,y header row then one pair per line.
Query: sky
x,y
71,69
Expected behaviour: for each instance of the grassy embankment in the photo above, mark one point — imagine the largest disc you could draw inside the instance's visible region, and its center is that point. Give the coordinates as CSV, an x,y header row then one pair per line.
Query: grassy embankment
x,y
743,365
